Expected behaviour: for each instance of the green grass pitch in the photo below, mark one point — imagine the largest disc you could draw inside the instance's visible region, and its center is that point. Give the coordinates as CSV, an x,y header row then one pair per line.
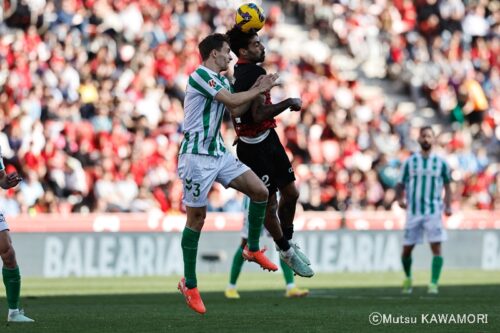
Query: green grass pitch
x,y
338,303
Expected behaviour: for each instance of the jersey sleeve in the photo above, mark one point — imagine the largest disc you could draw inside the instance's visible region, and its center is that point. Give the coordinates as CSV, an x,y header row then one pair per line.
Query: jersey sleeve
x,y
246,79
446,173
205,84
404,175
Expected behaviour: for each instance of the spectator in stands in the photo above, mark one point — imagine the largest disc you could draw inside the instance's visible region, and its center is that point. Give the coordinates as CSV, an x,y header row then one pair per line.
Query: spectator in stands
x,y
92,91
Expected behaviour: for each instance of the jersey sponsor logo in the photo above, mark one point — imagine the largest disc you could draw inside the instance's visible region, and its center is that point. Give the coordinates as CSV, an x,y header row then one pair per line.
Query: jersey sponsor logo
x,y
212,83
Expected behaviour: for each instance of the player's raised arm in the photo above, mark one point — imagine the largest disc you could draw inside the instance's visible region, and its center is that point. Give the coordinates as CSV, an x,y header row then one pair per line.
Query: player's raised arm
x,y
262,111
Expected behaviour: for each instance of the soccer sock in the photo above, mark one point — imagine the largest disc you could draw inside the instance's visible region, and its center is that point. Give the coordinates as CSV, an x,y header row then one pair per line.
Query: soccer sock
x,y
288,232
407,265
12,282
189,246
256,215
236,266
437,264
283,244
287,273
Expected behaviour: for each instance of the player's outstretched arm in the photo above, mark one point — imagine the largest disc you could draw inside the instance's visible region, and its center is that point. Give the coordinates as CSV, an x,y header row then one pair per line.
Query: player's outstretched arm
x,y
261,111
233,101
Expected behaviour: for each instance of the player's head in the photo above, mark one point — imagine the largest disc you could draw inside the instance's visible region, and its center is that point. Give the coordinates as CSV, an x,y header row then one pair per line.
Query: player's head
x,y
426,138
215,48
246,45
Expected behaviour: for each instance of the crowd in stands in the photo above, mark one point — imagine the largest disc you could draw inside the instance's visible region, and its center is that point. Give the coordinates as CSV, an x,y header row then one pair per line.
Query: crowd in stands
x,y
91,100
446,54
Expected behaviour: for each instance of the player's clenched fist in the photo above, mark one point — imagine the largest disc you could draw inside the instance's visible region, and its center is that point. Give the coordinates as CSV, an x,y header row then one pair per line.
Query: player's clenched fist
x,y
10,180
295,104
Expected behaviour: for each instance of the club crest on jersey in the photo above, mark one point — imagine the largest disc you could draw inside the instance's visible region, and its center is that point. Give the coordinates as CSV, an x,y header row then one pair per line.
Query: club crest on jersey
x,y
212,83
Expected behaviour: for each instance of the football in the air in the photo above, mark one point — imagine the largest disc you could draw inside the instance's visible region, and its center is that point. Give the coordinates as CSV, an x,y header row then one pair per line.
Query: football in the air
x,y
250,16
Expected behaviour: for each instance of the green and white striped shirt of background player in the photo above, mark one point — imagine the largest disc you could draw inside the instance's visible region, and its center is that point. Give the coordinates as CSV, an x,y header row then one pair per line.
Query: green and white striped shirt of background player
x,y
424,179
203,114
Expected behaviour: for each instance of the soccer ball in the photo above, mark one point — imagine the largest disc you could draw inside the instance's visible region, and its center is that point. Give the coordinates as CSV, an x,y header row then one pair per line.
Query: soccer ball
x,y
250,16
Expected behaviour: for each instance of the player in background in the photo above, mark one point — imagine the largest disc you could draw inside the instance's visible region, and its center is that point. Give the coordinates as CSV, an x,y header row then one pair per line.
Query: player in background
x,y
259,148
291,289
423,177
203,158
10,270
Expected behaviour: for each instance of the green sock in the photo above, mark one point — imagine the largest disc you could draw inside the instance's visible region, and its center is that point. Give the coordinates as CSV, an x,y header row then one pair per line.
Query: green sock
x,y
287,272
12,282
437,264
256,215
407,265
236,266
189,246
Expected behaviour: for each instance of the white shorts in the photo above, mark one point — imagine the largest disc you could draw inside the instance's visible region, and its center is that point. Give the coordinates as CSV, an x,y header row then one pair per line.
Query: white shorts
x,y
3,223
198,173
431,224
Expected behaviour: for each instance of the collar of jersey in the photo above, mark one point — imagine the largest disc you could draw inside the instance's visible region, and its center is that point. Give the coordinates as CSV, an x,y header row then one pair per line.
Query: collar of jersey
x,y
209,70
217,75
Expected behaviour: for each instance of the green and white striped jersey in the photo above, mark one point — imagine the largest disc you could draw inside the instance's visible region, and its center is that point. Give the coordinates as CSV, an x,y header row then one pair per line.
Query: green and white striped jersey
x,y
203,114
423,179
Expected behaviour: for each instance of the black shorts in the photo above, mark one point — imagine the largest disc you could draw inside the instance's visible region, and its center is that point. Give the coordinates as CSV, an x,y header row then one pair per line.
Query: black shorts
x,y
268,160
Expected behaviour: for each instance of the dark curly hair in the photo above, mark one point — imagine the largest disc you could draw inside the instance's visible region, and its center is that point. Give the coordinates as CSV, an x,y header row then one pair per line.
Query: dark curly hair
x,y
239,39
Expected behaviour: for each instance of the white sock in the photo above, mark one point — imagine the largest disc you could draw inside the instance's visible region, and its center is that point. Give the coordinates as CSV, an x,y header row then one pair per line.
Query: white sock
x,y
288,253
12,310
231,286
290,286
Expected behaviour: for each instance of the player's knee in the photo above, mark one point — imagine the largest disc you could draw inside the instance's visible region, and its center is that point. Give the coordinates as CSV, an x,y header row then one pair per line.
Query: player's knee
x,y
196,219
436,249
260,193
406,251
9,257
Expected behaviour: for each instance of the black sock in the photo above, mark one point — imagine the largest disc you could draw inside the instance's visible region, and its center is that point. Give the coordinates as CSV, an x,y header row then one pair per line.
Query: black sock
x,y
288,232
283,244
